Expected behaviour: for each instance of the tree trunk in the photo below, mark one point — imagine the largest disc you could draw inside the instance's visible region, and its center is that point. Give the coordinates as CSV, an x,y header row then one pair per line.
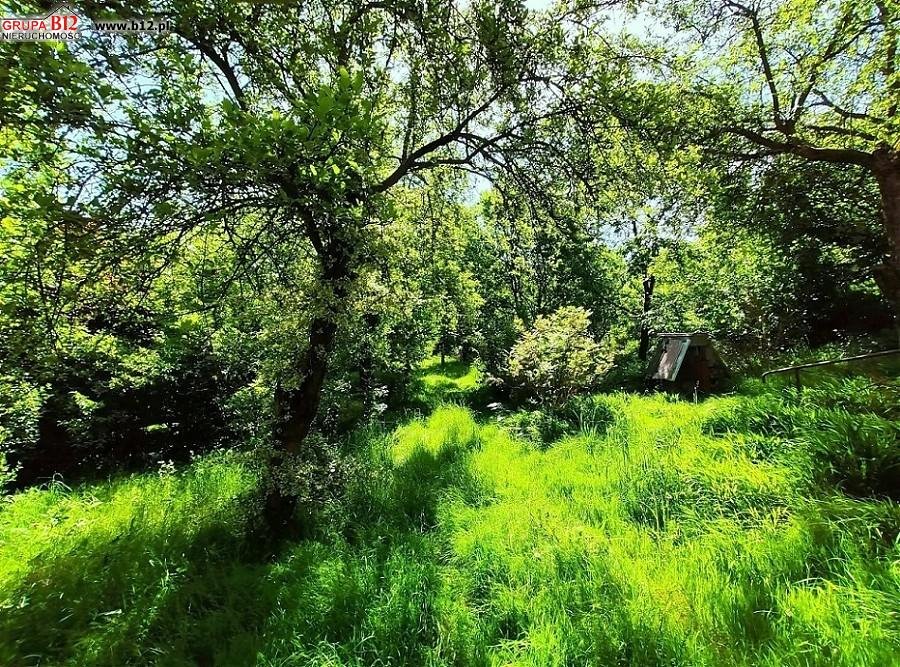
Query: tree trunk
x,y
445,338
301,404
296,409
887,172
644,346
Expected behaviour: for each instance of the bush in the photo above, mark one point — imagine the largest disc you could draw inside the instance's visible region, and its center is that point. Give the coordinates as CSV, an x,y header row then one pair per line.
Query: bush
x,y
557,358
538,426
20,410
585,414
105,403
7,474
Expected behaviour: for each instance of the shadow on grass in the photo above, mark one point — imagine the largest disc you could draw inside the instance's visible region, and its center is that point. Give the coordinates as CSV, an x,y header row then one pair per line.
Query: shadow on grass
x,y
434,384
103,589
190,586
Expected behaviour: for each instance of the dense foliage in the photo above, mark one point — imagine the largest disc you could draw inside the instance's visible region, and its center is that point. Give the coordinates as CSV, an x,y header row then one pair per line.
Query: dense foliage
x,y
557,358
208,239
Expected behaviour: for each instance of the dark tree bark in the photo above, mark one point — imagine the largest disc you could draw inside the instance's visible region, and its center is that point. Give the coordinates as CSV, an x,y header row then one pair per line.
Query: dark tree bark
x,y
300,405
886,168
296,409
644,345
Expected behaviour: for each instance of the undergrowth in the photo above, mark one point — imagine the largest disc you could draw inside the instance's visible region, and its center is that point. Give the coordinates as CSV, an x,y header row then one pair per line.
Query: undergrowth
x,y
634,530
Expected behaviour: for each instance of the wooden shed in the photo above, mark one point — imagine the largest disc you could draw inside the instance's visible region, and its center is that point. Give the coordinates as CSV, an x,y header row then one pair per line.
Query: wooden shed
x,y
685,361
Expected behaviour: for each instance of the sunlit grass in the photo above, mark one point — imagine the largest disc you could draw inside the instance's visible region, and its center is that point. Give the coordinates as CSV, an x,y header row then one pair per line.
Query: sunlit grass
x,y
655,532
662,545
452,380
93,569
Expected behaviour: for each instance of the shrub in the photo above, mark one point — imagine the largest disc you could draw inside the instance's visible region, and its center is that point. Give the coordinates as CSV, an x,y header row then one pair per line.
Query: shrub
x,y
105,403
538,426
557,358
586,414
20,410
7,473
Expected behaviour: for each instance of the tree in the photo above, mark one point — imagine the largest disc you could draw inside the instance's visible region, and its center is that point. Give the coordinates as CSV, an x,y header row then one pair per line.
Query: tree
x,y
814,79
825,219
288,127
530,261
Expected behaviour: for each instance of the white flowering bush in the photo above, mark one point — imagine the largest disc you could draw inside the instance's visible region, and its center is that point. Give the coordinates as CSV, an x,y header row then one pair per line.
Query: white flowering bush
x,y
557,358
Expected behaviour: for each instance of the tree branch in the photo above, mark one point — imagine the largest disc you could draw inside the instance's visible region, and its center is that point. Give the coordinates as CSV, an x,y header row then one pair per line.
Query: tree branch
x,y
844,113
220,60
833,155
410,161
750,14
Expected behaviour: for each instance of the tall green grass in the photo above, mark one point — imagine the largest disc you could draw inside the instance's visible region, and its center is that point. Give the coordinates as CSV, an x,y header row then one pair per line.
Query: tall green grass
x,y
95,575
647,531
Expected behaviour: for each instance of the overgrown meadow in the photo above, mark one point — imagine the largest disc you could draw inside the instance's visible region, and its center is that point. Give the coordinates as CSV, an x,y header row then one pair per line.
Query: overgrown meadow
x,y
330,333
759,528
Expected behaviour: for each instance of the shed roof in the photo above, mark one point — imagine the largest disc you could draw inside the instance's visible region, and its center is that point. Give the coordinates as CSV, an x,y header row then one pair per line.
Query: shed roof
x,y
671,357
